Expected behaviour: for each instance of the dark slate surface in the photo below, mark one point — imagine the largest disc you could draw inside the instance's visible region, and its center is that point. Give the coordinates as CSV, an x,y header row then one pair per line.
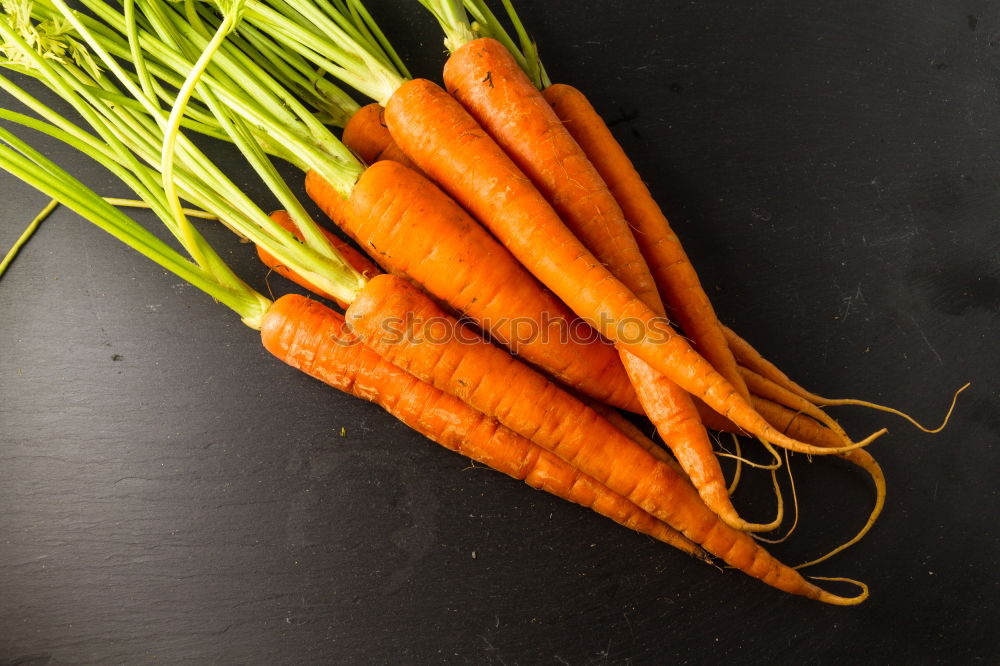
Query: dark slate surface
x,y
170,494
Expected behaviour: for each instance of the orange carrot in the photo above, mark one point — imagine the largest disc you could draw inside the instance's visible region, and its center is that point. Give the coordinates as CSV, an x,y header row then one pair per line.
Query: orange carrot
x,y
675,275
409,330
488,82
511,108
311,337
367,268
674,415
413,228
370,139
368,136
358,261
447,143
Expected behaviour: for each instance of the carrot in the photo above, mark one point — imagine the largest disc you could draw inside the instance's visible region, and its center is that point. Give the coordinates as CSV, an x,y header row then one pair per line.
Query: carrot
x,y
589,364
438,260
675,416
362,264
511,108
674,273
367,135
833,435
411,227
312,338
408,329
208,269
484,77
371,140
358,261
210,274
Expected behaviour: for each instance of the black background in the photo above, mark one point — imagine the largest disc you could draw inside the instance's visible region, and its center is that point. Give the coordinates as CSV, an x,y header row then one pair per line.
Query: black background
x,y
170,493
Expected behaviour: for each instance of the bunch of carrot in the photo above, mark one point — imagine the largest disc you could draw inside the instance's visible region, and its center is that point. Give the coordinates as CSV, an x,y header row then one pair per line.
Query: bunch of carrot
x,y
499,197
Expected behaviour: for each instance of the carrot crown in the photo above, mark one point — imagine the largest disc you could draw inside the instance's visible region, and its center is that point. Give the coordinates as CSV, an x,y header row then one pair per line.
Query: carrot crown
x,y
454,22
453,18
525,51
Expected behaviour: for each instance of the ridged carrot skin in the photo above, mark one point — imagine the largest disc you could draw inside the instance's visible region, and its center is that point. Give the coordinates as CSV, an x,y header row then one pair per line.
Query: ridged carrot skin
x,y
360,262
447,143
408,329
489,83
633,432
484,77
371,140
413,228
676,278
368,136
312,338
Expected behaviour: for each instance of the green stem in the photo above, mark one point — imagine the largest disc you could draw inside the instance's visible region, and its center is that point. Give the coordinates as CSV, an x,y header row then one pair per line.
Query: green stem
x,y
295,73
172,129
23,238
454,22
364,20
136,203
139,130
300,25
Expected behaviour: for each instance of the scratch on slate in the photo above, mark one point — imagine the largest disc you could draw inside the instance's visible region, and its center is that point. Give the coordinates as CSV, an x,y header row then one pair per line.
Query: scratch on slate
x,y
928,342
629,623
850,300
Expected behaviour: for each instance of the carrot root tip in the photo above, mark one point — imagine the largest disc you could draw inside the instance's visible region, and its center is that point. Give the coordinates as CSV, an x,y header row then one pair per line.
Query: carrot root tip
x,y
837,600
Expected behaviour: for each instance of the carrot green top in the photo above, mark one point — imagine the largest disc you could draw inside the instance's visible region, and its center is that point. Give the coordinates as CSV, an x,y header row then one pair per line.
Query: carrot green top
x,y
140,142
259,66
